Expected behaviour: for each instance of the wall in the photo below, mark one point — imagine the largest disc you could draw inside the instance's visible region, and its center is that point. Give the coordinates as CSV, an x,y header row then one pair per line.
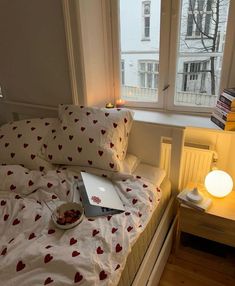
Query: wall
x,y
33,56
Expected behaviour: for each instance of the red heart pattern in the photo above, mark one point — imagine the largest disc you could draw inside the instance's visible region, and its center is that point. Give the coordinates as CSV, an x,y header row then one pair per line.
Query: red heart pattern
x,y
20,266
78,277
48,280
114,229
75,253
4,251
37,217
16,221
32,235
72,241
6,216
24,139
99,250
112,129
118,248
95,232
48,258
103,275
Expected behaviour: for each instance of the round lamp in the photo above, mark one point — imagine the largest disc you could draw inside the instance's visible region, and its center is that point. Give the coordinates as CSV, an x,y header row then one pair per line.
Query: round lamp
x,y
218,183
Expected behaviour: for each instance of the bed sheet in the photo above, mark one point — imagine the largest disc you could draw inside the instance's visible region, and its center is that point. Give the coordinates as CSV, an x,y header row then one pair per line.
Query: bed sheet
x,y
34,252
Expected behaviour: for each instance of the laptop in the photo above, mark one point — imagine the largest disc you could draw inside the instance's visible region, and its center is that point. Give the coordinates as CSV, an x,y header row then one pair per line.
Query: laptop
x,y
99,196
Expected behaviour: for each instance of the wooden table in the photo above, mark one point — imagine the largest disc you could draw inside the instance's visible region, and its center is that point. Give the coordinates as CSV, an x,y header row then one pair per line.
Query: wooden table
x,y
217,223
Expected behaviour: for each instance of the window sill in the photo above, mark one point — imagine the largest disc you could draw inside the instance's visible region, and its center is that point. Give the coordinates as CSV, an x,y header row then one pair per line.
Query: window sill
x,y
177,120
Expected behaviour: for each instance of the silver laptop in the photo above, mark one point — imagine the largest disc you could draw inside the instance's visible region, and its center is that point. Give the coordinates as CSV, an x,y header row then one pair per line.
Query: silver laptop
x,y
99,196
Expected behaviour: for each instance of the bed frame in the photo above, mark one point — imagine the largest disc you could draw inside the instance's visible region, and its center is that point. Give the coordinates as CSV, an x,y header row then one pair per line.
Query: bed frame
x,y
145,142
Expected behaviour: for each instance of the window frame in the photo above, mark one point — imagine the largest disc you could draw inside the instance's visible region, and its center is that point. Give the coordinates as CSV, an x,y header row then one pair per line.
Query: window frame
x,y
170,21
78,44
226,65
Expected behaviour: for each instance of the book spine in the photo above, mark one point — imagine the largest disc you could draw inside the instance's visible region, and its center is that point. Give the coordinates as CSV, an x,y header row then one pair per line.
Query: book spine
x,y
222,106
192,205
229,91
217,122
223,98
227,107
220,114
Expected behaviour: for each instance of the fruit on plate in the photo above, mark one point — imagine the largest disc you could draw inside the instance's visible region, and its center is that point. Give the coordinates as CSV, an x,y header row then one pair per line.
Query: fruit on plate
x,y
68,217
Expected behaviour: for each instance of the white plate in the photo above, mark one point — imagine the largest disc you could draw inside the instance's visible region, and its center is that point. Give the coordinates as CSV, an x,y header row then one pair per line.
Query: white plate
x,y
65,207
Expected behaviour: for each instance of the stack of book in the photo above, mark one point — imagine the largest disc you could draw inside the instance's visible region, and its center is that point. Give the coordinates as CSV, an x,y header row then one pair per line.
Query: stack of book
x,y
203,205
224,112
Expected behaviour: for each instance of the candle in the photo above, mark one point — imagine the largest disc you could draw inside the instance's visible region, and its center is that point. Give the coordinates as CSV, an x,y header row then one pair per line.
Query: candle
x,y
120,103
109,105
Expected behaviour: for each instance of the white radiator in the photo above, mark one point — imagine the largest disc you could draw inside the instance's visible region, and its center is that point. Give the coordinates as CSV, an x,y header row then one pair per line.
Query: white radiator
x,y
196,162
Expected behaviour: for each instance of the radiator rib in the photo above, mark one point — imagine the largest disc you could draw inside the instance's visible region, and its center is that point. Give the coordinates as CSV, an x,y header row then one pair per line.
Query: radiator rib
x,y
196,163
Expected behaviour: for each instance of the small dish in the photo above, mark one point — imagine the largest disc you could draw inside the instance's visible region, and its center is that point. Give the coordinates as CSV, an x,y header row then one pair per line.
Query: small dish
x,y
68,215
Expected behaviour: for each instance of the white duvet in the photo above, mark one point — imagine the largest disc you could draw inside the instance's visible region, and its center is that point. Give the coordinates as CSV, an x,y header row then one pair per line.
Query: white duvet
x,y
34,252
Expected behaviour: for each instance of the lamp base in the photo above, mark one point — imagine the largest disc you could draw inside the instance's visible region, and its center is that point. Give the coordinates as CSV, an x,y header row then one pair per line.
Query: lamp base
x,y
194,196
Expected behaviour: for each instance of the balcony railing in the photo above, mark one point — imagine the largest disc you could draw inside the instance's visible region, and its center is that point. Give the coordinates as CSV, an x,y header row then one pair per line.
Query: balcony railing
x,y
131,93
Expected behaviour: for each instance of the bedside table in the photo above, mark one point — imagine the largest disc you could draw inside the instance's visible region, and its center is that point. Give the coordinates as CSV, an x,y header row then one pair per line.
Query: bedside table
x,y
217,223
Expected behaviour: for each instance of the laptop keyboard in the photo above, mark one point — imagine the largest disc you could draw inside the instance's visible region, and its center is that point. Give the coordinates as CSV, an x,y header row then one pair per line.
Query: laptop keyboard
x,y
105,209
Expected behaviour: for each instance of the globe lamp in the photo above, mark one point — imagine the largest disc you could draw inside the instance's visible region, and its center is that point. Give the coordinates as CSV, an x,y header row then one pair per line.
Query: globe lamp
x,y
218,183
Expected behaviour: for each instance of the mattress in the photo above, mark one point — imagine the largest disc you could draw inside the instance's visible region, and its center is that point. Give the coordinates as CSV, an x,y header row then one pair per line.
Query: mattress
x,y
141,245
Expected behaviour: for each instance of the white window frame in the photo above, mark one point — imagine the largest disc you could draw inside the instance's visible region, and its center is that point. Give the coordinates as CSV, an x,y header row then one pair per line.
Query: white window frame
x,y
170,21
226,66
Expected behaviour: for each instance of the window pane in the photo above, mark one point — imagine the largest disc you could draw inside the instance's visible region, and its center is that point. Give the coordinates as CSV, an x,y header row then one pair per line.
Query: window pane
x,y
200,58
140,21
190,25
201,5
191,5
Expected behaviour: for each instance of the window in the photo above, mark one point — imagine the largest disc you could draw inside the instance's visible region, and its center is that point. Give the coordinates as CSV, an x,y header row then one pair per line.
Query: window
x,y
148,73
181,69
194,76
199,18
146,20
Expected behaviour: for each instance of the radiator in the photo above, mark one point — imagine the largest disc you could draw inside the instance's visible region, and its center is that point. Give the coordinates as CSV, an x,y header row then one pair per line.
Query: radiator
x,y
197,161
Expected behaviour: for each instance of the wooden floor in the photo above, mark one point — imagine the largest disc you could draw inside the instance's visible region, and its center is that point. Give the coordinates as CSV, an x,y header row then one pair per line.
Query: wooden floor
x,y
195,267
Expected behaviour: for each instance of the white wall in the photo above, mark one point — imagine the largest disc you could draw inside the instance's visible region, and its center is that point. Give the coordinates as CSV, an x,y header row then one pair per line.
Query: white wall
x,y
33,56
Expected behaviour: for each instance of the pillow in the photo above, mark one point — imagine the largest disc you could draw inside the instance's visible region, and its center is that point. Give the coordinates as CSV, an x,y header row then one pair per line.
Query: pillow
x,y
152,174
127,167
21,141
129,164
89,136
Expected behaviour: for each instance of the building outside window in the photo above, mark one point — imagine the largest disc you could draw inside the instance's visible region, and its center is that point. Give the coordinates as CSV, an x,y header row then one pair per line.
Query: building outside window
x,y
199,18
148,74
194,76
182,67
146,20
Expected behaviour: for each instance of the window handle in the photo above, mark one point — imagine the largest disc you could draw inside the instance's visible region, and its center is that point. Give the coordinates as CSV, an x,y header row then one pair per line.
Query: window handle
x,y
166,87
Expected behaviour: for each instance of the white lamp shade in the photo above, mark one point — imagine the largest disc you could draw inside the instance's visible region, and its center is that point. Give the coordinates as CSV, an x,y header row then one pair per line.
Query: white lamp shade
x,y
218,183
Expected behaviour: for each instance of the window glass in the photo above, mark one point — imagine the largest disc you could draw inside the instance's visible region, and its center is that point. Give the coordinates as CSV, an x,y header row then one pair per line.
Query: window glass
x,y
201,43
140,36
197,60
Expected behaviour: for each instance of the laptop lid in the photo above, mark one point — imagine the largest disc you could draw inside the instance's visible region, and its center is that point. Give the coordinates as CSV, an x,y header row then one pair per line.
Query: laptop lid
x,y
101,192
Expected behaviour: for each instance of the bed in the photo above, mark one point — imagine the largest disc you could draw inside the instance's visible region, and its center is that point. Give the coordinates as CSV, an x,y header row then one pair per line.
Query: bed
x,y
124,249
